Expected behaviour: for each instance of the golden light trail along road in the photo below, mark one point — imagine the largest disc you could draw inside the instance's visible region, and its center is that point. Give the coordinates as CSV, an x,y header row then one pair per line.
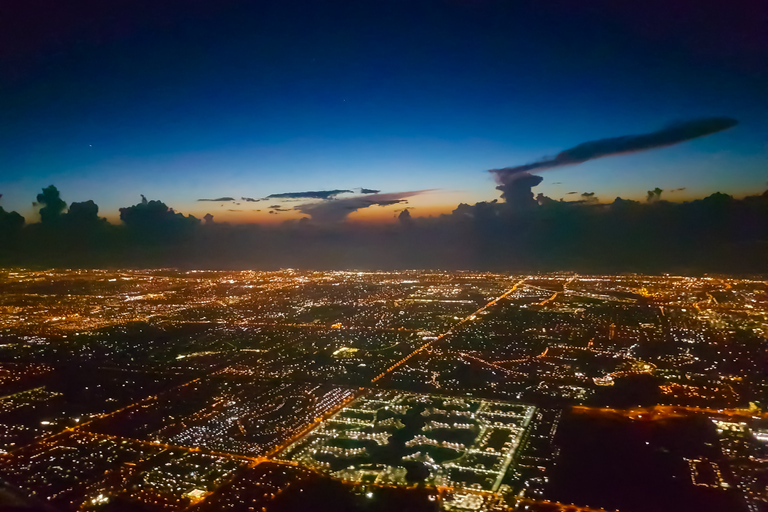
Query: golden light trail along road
x,y
450,331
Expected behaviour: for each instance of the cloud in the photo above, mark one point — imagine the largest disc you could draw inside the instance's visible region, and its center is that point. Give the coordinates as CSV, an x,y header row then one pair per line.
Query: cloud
x,y
405,218
654,195
571,192
155,220
668,136
10,222
516,188
369,191
679,189
621,236
86,212
338,209
219,199
317,194
53,205
250,199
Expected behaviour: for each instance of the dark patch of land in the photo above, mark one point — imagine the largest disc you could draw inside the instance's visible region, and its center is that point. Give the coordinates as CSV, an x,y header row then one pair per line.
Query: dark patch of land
x,y
637,465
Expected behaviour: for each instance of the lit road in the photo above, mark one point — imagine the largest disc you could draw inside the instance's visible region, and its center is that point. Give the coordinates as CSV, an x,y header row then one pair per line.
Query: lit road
x,y
461,322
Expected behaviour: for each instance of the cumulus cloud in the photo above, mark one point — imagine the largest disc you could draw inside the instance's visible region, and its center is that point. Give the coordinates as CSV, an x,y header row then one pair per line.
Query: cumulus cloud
x,y
52,204
654,195
405,218
338,209
516,188
156,220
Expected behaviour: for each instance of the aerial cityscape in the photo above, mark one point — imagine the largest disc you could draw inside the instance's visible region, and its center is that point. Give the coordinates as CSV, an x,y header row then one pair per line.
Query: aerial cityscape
x,y
383,256
214,390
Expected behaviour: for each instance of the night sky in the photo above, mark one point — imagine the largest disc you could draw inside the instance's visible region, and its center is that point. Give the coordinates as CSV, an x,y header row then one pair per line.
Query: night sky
x,y
182,101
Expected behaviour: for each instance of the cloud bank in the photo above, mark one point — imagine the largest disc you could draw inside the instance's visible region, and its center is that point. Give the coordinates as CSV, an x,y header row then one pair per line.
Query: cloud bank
x,y
716,234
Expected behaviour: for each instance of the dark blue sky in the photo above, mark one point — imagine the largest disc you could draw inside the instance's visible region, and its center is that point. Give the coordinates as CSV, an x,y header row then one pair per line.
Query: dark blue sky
x,y
185,100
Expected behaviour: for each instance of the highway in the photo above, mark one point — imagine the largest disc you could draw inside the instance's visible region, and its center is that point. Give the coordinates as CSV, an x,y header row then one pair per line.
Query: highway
x,y
461,322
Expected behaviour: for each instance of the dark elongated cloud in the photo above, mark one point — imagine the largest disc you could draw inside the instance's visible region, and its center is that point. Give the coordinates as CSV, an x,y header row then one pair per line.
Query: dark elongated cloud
x,y
316,194
673,134
338,210
668,136
219,199
250,199
369,191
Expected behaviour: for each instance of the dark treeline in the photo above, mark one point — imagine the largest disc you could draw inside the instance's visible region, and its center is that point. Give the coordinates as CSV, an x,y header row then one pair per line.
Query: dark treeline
x,y
716,234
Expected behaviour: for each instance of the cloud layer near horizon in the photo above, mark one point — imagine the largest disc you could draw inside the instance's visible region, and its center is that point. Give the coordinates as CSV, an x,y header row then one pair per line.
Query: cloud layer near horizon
x,y
715,234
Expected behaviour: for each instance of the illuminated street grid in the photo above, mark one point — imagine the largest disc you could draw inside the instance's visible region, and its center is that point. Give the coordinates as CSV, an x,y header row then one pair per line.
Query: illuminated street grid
x,y
254,488
462,442
85,470
235,416
251,424
745,447
25,399
112,382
